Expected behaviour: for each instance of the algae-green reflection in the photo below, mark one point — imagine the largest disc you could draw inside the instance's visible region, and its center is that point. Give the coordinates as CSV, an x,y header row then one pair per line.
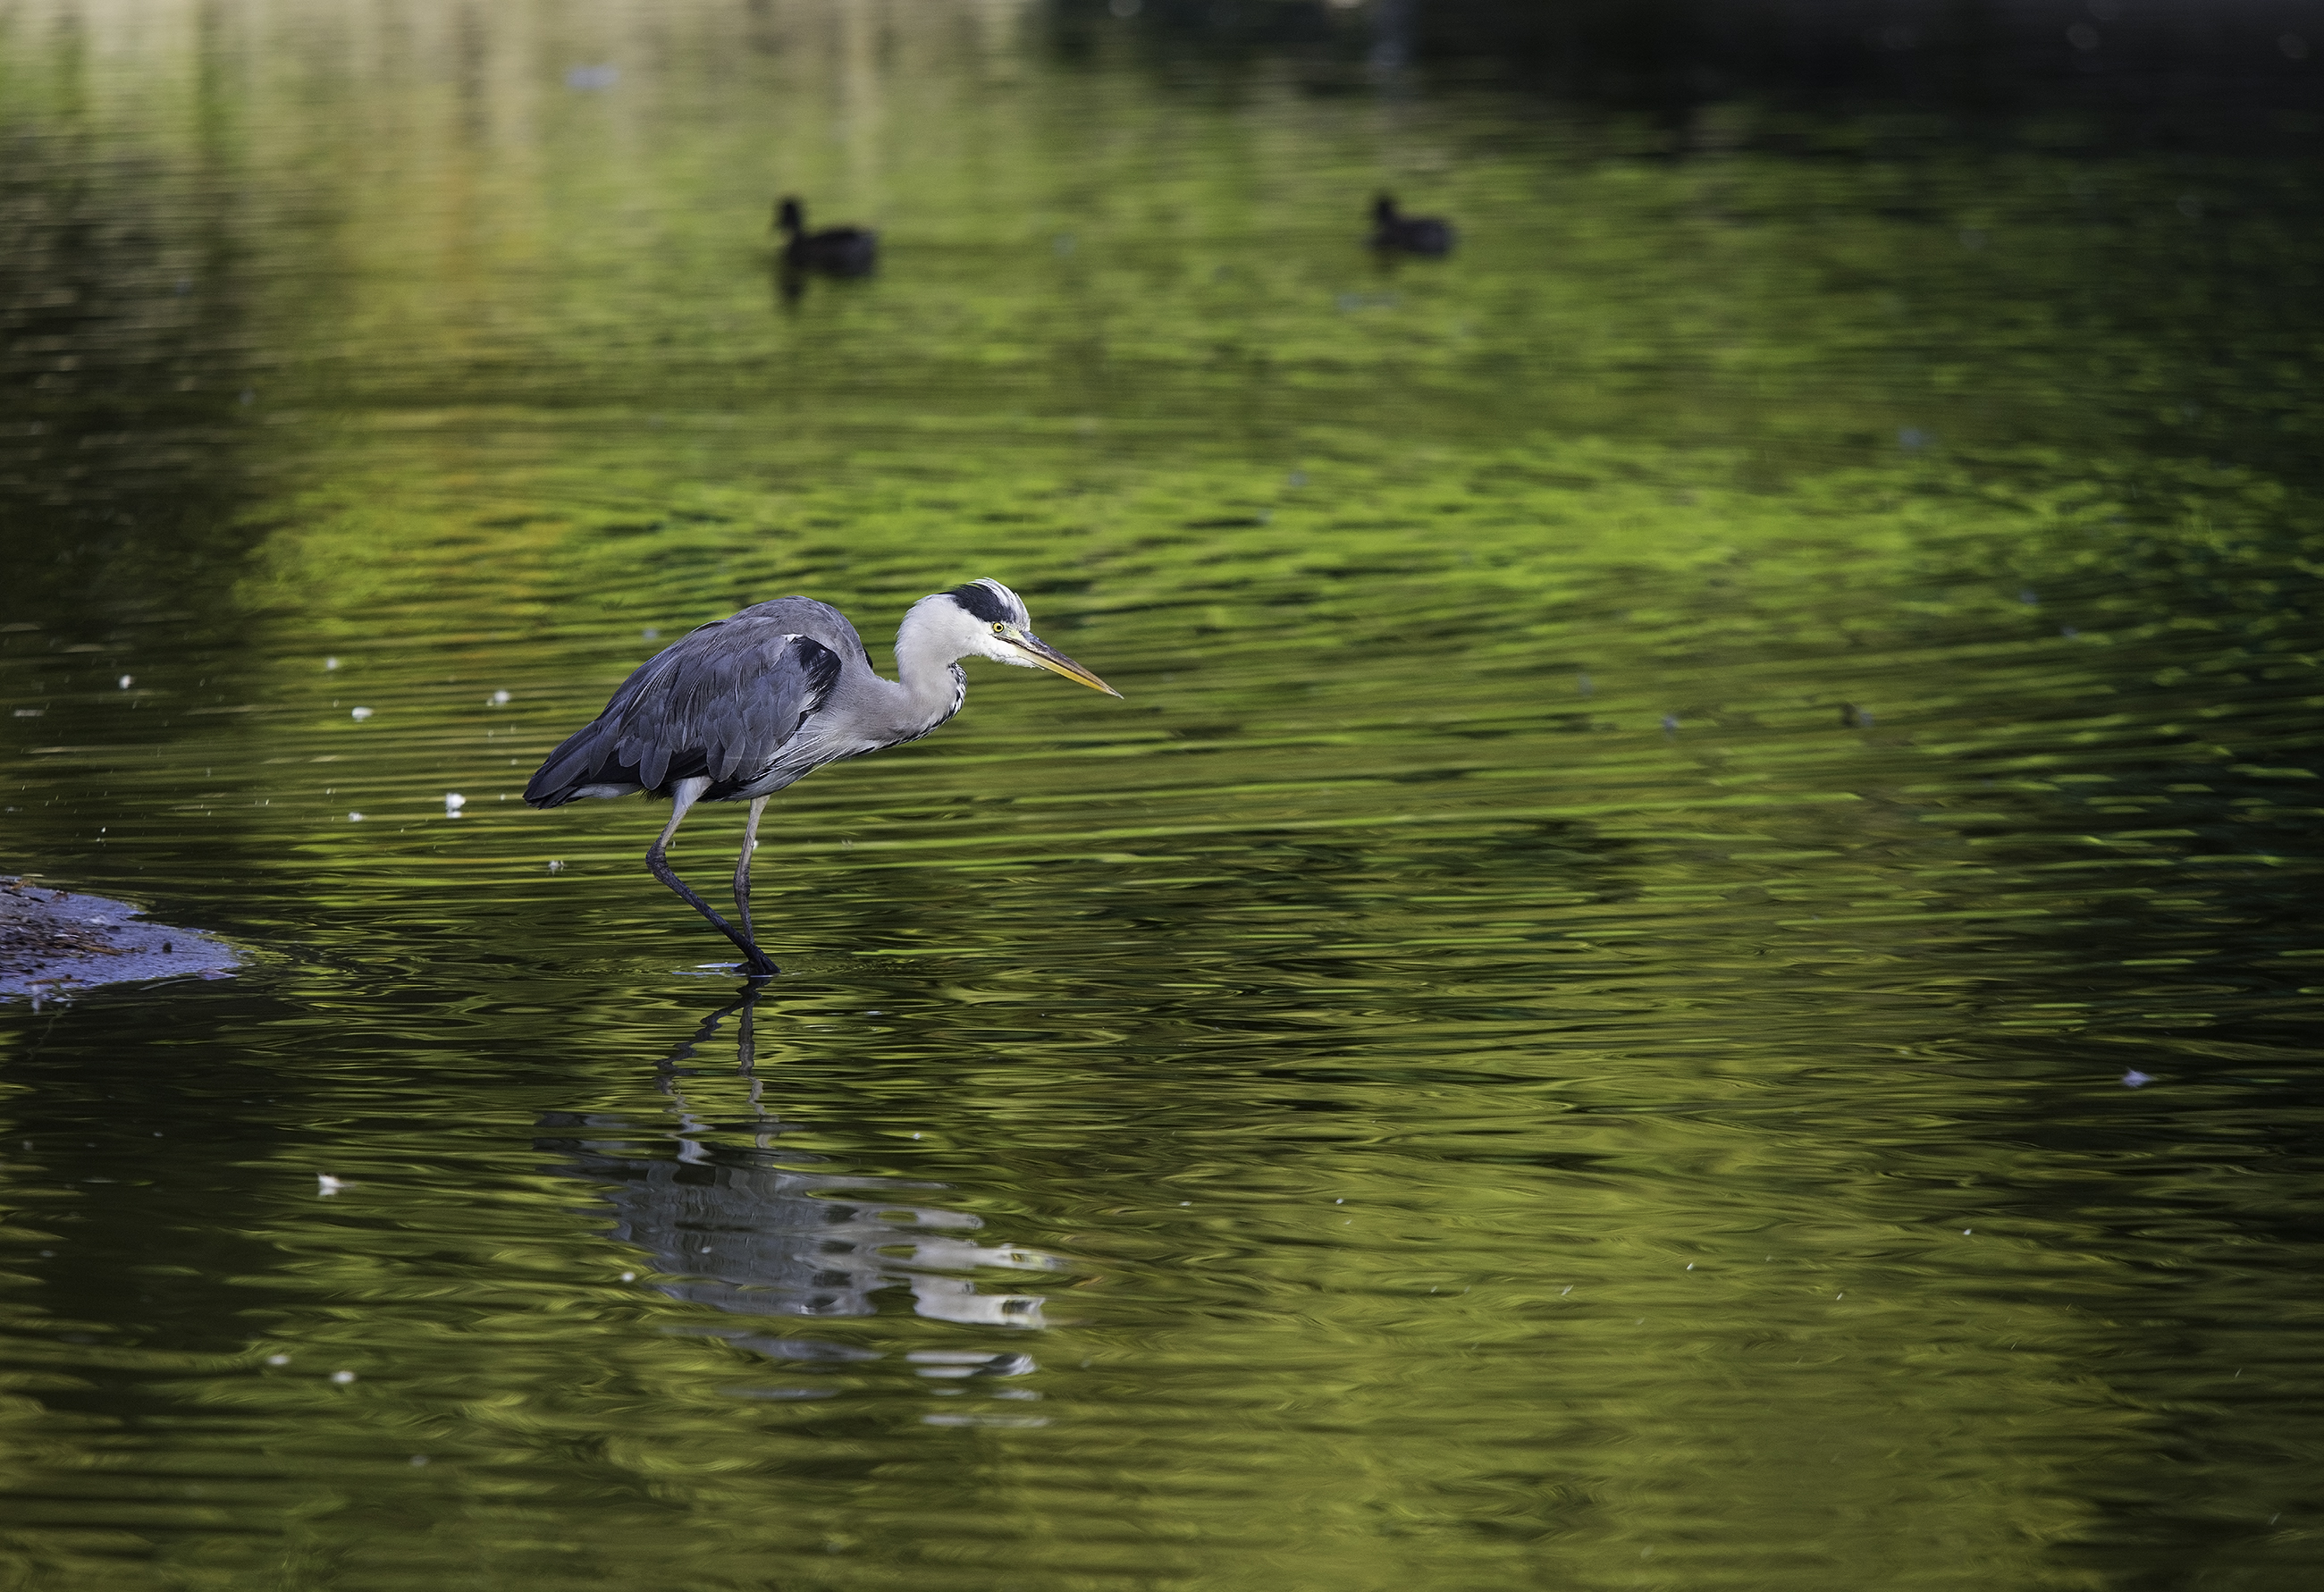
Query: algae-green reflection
x,y
1572,1030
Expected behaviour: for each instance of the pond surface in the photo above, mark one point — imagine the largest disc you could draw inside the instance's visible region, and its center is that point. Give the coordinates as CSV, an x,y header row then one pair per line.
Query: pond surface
x,y
1690,962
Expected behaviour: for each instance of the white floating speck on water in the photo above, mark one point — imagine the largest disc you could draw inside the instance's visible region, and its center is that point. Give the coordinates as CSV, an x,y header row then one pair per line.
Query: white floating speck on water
x,y
2134,1078
556,868
342,1376
127,681
360,714
453,802
355,817
330,663
628,1277
278,1359
325,1184
498,698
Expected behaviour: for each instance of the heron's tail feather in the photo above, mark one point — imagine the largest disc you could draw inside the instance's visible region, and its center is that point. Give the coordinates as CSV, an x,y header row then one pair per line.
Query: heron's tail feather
x,y
587,758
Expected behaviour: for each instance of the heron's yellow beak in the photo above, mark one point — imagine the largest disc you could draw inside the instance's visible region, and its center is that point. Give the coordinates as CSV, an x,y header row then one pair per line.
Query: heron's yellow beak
x,y
1056,662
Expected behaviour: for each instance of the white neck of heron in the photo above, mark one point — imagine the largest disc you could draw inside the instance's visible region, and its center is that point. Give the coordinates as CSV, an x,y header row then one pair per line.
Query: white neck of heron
x,y
924,653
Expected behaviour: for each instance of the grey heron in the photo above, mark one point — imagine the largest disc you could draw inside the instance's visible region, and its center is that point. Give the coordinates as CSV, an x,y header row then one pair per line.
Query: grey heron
x,y
1397,234
747,704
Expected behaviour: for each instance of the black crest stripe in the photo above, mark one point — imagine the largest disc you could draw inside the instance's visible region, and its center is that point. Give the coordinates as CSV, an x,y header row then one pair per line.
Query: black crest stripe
x,y
983,601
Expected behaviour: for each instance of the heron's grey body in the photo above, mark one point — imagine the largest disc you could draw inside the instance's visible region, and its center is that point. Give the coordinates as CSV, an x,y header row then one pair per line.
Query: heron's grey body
x,y
746,705
750,704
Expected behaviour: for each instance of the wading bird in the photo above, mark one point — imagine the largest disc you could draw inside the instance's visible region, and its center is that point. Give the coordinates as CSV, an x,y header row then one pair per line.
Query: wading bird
x,y
836,251
746,705
1396,233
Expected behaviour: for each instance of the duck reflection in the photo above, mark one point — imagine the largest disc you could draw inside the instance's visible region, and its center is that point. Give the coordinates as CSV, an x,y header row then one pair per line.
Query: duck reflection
x,y
762,1231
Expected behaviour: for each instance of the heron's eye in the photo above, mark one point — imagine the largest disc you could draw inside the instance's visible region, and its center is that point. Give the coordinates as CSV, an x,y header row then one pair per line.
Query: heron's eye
x,y
999,630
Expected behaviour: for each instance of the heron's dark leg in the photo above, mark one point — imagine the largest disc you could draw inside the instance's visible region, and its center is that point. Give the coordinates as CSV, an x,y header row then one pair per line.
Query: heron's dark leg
x,y
685,793
742,868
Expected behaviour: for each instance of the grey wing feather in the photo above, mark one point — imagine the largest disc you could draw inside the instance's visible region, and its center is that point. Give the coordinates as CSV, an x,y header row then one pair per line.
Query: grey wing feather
x,y
720,704
818,622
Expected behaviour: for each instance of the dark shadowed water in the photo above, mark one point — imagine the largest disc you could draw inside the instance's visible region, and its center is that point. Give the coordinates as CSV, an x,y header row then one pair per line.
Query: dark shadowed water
x,y
1692,961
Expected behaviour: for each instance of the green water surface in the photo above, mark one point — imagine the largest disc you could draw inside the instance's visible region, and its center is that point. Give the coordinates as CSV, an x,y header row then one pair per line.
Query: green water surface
x,y
1692,961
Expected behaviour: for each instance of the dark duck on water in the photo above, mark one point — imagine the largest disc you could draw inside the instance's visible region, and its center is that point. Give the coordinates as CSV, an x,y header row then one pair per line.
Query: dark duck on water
x,y
836,251
1395,233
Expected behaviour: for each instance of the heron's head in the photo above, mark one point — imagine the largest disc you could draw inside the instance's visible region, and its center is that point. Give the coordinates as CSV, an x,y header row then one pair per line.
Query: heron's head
x,y
985,618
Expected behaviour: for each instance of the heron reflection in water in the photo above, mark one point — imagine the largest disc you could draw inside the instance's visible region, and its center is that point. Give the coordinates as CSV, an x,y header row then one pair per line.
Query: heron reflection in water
x,y
762,1232
746,705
